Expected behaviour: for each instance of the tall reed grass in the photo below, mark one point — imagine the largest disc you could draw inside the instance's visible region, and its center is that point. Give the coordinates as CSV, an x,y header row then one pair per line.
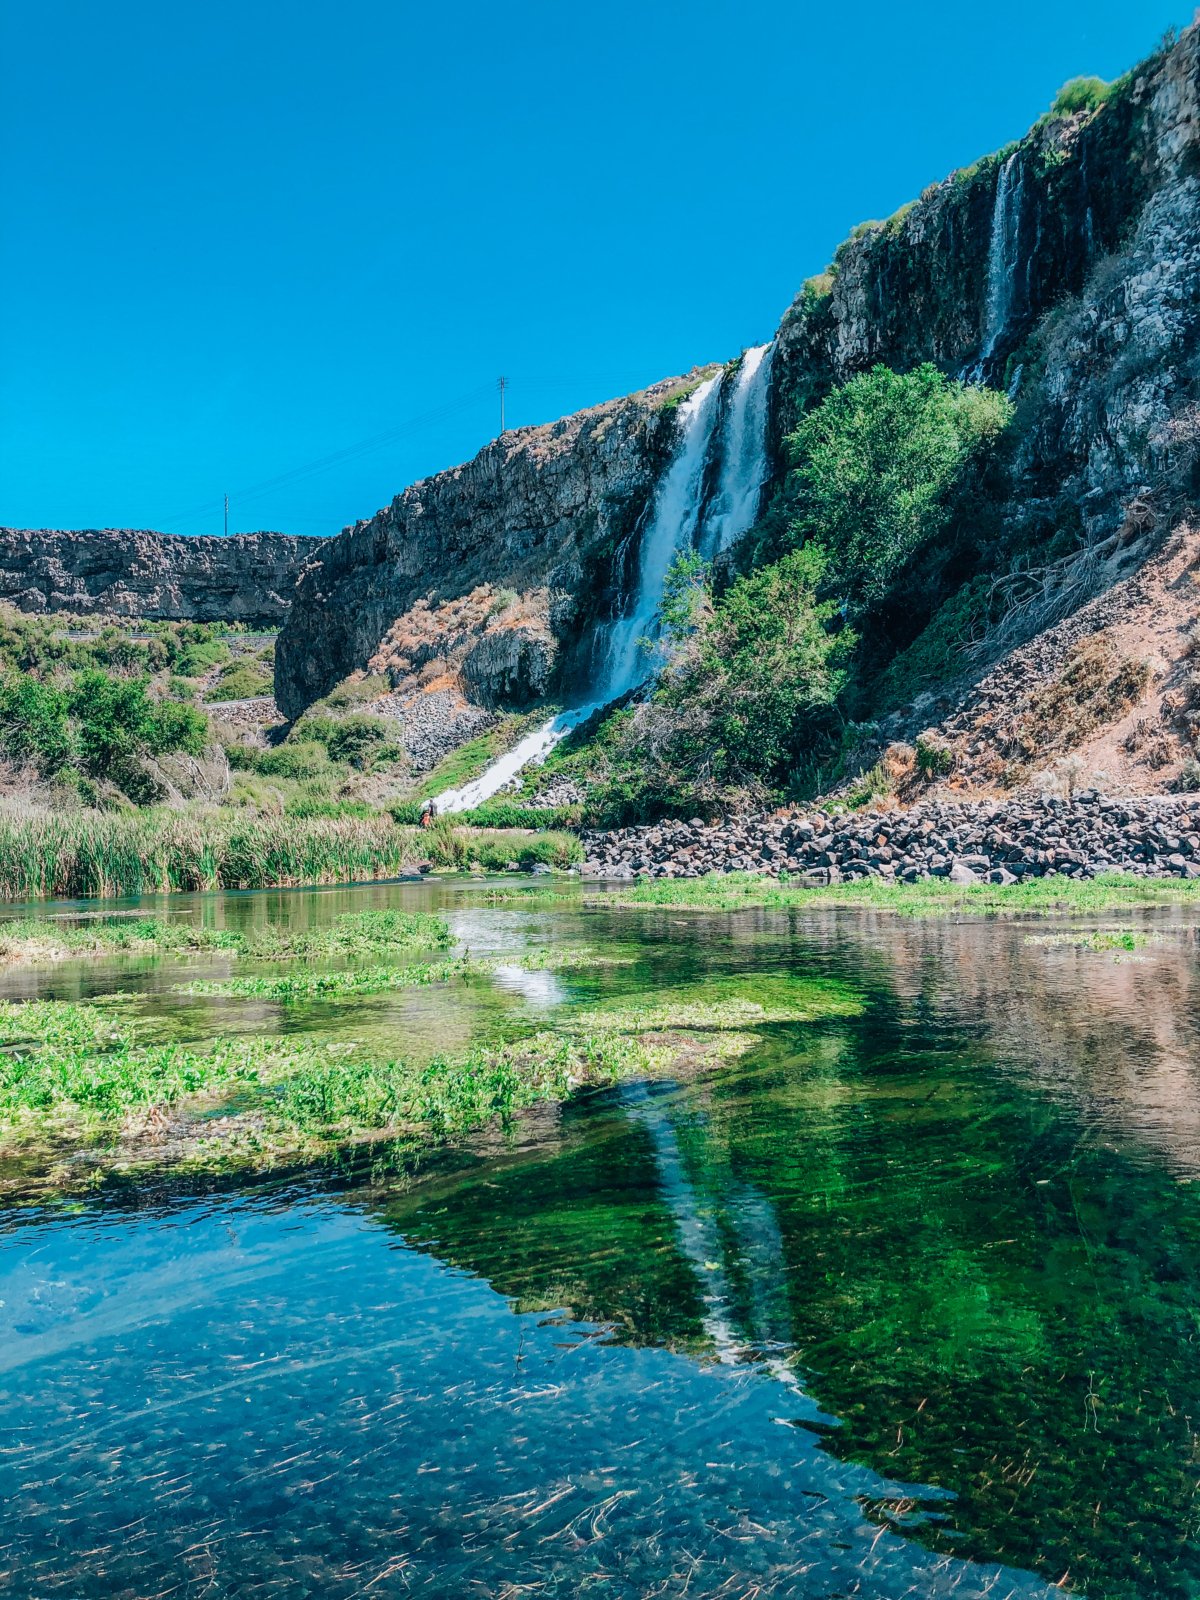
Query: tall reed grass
x,y
87,854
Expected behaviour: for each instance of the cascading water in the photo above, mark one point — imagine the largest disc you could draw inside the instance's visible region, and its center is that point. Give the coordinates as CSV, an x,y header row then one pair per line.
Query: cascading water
x,y
1003,260
677,503
675,524
744,463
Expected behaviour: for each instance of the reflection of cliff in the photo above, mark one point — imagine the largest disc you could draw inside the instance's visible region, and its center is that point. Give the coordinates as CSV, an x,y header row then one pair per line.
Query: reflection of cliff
x,y
574,1223
727,1231
1113,1036
952,1224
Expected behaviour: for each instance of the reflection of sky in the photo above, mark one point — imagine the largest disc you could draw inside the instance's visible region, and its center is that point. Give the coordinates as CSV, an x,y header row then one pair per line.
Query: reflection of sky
x,y
539,989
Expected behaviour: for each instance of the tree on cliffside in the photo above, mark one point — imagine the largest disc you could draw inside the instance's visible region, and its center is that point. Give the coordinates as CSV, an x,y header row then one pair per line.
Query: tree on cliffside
x,y
876,466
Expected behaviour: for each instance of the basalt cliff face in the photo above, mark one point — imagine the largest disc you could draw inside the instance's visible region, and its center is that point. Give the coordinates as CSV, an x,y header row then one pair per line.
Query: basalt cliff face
x,y
1065,269
248,577
489,571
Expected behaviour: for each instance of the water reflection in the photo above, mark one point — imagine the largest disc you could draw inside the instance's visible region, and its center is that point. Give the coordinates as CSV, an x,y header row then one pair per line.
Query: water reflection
x,y
903,1304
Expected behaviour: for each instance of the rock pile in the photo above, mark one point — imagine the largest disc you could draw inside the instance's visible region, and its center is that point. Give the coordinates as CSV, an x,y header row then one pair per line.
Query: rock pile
x,y
433,724
565,792
966,841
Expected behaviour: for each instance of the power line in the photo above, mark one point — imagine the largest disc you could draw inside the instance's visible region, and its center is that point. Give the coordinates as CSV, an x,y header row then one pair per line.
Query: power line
x,y
323,463
538,384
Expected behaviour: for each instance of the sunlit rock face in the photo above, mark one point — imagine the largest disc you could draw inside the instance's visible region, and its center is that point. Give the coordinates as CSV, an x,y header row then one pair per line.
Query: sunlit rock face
x,y
1065,269
540,512
125,572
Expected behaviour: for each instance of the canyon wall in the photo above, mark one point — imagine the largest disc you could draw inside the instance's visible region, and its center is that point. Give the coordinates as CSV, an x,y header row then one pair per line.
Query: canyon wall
x,y
544,515
248,577
1065,269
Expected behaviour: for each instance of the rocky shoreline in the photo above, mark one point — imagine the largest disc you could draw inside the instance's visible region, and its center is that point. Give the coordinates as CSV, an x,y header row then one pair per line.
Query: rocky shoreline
x,y
966,841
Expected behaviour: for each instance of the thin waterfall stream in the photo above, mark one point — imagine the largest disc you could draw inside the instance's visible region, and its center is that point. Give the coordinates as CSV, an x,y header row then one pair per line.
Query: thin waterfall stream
x,y
1003,261
732,432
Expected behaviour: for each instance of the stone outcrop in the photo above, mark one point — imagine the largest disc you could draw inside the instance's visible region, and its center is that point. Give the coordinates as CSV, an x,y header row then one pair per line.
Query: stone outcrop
x,y
124,572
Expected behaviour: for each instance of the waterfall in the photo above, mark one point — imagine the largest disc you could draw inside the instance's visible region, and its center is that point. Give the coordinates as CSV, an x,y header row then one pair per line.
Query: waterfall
x,y
744,462
678,521
1003,260
673,523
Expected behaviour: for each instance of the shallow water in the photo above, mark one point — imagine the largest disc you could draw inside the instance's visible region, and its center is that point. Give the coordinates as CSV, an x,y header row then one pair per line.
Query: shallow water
x,y
903,1304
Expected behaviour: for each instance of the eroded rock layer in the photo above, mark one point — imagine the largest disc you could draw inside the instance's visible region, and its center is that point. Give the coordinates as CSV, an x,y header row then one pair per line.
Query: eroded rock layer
x,y
128,572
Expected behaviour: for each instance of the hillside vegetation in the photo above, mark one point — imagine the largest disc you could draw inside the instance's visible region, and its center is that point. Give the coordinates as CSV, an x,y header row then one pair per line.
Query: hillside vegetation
x,y
888,511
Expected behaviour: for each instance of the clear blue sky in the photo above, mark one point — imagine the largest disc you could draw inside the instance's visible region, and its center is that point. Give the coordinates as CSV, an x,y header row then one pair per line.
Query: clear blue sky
x,y
240,237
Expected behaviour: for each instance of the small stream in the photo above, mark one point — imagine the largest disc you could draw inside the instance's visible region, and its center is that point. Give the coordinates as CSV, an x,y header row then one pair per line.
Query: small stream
x,y
900,1304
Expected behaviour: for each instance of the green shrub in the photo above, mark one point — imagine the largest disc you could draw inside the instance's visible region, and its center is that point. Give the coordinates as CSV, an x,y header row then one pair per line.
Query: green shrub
x,y
97,724
195,660
116,721
874,784
875,464
935,759
1080,94
241,681
763,664
33,724
286,761
508,814
355,691
363,741
495,814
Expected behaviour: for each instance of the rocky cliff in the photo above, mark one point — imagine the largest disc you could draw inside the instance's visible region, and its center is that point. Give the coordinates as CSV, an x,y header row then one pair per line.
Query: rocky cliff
x,y
248,577
543,515
1065,269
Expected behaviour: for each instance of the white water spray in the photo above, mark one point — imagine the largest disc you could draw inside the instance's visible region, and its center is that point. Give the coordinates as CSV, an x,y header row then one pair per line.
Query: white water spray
x,y
673,523
744,462
627,655
1003,259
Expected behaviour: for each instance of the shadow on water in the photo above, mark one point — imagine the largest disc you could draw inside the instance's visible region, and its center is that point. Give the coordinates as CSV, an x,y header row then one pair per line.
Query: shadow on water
x,y
899,1305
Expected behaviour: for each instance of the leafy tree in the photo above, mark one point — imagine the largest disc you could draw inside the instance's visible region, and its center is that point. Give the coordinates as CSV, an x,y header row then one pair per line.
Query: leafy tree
x,y
687,597
767,662
33,723
751,692
876,465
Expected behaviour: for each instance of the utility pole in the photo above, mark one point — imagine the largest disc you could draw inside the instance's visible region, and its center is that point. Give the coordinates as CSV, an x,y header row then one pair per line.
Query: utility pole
x,y
502,384
227,516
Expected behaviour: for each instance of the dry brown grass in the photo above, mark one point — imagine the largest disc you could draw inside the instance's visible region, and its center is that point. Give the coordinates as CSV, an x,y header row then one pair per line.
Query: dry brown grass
x,y
1096,685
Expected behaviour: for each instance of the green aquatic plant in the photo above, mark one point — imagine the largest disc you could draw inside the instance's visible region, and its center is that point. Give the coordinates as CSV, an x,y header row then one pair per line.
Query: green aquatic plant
x,y
355,980
721,1004
929,897
354,934
379,980
1097,939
